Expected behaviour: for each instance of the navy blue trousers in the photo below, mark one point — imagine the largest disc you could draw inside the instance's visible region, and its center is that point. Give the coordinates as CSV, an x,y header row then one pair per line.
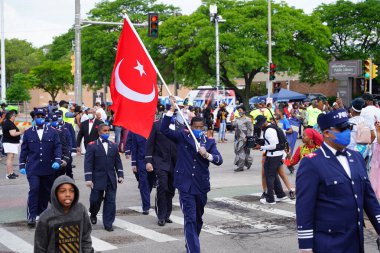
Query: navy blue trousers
x,y
109,204
146,180
192,206
39,194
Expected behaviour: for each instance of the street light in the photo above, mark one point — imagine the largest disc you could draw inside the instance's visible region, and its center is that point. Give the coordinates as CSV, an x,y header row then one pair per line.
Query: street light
x,y
214,18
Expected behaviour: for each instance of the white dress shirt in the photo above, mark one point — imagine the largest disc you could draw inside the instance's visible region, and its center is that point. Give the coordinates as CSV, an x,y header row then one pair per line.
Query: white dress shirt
x,y
342,160
105,145
90,125
40,132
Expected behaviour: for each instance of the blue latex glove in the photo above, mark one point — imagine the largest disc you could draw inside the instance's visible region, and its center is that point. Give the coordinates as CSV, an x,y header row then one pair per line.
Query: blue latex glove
x,y
23,171
56,166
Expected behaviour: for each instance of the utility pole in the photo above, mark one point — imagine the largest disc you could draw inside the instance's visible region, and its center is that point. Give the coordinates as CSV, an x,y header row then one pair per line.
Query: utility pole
x,y
370,74
269,82
3,76
77,52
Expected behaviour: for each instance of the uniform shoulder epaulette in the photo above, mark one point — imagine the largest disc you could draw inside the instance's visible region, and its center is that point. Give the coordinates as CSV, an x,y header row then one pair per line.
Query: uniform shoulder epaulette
x,y
92,142
311,155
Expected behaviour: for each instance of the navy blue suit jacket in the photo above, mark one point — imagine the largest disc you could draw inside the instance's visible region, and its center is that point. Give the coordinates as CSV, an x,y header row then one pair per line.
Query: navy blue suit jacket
x,y
100,167
191,173
330,205
37,155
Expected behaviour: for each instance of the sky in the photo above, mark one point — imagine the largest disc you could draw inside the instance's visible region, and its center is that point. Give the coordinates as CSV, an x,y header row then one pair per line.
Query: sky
x,y
39,21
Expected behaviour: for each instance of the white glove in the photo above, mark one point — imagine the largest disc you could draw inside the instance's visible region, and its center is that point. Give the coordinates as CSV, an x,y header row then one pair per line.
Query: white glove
x,y
203,152
149,167
90,184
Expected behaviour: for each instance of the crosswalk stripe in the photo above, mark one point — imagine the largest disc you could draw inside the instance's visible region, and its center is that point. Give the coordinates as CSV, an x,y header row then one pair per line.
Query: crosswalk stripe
x,y
14,242
289,201
256,207
179,220
140,230
100,245
237,218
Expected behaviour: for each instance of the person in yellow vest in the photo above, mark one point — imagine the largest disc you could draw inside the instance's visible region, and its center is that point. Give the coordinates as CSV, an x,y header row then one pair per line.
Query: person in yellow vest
x,y
68,117
312,113
263,110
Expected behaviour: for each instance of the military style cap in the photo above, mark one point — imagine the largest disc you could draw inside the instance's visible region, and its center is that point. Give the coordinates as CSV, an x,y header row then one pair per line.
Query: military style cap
x,y
337,118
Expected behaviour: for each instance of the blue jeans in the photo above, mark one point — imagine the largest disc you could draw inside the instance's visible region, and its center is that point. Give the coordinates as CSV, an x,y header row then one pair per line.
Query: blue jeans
x,y
117,134
222,130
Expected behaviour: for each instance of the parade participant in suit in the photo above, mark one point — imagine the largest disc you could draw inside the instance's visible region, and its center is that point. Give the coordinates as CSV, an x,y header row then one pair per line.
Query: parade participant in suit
x,y
333,192
102,168
146,179
40,157
64,137
88,130
161,155
191,173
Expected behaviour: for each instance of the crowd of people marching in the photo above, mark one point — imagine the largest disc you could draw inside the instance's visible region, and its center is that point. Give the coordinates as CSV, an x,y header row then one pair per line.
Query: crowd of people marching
x,y
176,155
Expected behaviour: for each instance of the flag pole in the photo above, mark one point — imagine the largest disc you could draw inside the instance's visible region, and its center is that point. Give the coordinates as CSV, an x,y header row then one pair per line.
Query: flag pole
x,y
161,78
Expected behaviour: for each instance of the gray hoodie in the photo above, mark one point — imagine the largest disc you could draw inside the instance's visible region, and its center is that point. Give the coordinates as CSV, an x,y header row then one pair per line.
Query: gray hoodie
x,y
57,231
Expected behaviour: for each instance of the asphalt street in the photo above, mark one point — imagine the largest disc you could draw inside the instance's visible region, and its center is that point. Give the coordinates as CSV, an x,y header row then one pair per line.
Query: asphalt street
x,y
234,219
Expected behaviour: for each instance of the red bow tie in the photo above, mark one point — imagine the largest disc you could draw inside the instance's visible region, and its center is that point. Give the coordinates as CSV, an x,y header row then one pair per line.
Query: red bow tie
x,y
91,121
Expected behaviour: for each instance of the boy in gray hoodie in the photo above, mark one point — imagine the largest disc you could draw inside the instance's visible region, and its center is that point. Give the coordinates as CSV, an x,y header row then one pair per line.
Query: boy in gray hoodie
x,y
65,225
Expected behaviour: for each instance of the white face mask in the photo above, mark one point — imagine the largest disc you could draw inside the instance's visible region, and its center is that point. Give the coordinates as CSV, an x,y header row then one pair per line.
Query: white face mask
x,y
90,116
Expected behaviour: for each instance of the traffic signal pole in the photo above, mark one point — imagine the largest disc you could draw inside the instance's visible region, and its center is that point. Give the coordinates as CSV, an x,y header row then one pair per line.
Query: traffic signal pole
x,y
77,53
370,76
3,76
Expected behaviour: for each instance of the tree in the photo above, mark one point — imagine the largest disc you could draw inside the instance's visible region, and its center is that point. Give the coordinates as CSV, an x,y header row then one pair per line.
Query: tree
x,y
20,57
299,44
354,26
18,91
53,76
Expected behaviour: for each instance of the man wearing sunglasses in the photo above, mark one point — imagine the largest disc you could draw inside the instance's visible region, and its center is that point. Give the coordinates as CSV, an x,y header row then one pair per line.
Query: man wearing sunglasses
x,y
333,191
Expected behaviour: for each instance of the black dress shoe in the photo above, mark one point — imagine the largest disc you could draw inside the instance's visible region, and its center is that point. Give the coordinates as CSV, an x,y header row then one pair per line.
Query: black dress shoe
x,y
239,169
109,229
145,212
161,223
168,220
93,220
32,222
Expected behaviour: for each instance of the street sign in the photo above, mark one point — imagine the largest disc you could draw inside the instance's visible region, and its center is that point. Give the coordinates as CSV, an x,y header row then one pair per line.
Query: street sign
x,y
345,69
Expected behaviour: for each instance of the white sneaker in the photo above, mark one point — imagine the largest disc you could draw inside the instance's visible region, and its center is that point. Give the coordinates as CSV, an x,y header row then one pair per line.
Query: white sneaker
x,y
281,199
264,201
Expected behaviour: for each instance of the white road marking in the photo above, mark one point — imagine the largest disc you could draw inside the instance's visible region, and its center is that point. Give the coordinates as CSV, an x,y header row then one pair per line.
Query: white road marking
x,y
14,243
179,220
289,201
251,206
140,230
237,218
100,245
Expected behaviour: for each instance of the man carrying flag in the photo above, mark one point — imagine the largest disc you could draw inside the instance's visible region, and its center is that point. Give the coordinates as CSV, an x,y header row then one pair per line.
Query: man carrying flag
x,y
133,84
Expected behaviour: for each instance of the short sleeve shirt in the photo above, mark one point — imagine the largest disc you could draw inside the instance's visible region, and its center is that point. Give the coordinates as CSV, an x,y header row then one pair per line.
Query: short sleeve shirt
x,y
7,127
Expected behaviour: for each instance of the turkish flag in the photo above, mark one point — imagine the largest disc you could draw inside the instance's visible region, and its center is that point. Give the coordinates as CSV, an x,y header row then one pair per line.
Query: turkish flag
x,y
133,84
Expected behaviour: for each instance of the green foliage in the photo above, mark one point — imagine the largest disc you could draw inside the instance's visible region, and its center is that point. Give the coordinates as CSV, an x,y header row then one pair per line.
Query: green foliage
x,y
20,57
53,76
354,27
18,91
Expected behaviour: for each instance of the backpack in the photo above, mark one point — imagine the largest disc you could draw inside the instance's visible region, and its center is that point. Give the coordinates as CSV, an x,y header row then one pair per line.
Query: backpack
x,y
363,133
282,141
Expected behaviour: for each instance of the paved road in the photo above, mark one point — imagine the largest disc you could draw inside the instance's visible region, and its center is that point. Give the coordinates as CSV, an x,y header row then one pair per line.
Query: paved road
x,y
234,219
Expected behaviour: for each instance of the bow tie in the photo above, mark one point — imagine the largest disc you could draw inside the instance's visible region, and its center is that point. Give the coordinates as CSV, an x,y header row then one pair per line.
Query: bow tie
x,y
343,153
104,141
91,121
40,127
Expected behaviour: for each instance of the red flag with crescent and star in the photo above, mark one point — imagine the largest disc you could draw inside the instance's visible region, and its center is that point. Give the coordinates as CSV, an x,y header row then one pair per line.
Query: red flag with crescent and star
x,y
133,84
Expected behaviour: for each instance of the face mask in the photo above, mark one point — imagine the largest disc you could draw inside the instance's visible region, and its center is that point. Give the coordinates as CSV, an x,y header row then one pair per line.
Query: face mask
x,y
90,116
342,138
54,123
105,136
197,133
60,119
40,121
241,113
33,123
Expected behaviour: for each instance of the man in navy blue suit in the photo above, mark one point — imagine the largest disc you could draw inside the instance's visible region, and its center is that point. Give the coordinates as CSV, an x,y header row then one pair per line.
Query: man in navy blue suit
x,y
191,173
333,192
102,171
40,158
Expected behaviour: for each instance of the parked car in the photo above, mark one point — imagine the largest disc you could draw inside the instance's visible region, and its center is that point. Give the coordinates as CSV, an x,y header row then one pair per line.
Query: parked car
x,y
311,96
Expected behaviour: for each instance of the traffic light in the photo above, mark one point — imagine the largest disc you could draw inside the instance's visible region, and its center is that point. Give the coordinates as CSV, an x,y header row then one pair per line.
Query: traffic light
x,y
367,68
153,25
72,64
272,71
374,71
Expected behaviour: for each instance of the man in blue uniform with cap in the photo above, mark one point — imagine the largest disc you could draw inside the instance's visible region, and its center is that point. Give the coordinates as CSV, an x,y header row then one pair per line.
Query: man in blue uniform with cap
x,y
40,157
191,173
333,191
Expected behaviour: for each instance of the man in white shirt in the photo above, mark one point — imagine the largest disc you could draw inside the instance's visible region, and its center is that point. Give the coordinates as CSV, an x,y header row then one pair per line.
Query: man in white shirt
x,y
370,112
